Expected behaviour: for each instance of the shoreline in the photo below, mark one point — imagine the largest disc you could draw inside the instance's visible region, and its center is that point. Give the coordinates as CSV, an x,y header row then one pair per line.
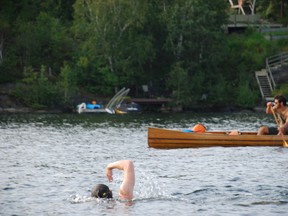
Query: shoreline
x,y
26,110
10,105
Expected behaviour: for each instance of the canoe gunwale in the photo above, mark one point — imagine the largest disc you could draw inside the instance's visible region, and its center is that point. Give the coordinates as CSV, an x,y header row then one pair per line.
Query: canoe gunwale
x,y
169,139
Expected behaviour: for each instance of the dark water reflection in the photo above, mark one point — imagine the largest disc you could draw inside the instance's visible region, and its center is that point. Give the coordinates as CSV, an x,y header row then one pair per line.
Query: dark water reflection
x,y
50,162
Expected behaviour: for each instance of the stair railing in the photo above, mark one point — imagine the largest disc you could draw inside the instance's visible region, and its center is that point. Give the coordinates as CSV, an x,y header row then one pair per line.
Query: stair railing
x,y
275,61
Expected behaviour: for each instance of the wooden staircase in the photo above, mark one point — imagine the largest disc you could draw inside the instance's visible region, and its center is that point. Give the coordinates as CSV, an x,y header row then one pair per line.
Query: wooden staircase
x,y
265,77
264,84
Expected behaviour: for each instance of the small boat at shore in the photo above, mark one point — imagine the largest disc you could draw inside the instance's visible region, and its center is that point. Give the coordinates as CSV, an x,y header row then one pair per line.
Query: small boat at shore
x,y
129,107
171,139
109,108
90,108
114,106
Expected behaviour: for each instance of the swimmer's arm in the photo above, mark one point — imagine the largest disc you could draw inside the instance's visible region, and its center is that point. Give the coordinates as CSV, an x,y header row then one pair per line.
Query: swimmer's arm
x,y
127,186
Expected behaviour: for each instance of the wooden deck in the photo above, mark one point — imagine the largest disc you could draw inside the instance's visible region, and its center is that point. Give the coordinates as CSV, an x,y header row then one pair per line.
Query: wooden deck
x,y
151,101
153,104
239,23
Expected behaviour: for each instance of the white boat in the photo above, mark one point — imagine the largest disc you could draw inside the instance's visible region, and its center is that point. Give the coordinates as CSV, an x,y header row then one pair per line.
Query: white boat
x,y
109,108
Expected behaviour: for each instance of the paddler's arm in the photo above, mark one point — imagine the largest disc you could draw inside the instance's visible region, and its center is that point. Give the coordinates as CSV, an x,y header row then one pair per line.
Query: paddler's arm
x,y
127,186
269,106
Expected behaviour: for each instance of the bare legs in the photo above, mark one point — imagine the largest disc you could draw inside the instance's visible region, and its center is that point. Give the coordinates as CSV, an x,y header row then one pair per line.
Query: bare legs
x,y
263,130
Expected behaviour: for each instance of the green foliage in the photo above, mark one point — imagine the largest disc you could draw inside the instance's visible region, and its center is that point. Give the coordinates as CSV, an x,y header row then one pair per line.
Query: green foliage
x,y
178,47
246,97
250,49
282,90
36,90
42,42
194,37
216,93
283,45
94,76
67,85
178,81
273,10
245,54
111,35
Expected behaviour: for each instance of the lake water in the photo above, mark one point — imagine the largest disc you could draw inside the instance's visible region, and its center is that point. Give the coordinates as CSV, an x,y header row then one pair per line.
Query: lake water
x,y
50,162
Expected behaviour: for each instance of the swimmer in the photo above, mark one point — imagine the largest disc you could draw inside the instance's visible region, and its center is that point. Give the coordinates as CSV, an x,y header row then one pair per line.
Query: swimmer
x,y
127,186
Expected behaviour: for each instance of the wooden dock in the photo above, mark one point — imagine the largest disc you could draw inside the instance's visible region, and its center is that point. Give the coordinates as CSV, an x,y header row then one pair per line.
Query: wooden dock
x,y
151,101
153,104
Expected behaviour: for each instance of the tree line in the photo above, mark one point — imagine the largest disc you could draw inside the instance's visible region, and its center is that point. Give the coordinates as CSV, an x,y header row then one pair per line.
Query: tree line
x,y
179,48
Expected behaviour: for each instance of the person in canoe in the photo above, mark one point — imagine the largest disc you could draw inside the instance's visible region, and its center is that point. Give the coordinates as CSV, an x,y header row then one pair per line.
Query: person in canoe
x,y
127,186
280,110
198,128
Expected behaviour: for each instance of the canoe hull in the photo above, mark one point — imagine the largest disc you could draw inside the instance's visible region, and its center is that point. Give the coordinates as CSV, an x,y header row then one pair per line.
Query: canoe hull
x,y
171,139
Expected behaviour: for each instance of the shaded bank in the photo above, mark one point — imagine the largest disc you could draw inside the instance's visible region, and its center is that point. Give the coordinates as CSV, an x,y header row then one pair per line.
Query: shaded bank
x,y
10,104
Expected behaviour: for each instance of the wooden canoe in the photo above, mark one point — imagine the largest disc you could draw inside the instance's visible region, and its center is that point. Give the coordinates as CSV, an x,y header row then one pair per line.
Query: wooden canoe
x,y
171,139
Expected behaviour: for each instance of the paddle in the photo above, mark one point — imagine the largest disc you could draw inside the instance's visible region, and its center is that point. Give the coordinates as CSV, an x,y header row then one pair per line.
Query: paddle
x,y
285,144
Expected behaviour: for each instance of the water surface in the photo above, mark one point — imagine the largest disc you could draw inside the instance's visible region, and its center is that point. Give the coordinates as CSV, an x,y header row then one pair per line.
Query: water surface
x,y
50,162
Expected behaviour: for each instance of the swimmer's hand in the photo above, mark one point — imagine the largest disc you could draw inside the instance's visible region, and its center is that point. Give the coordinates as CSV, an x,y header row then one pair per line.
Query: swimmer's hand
x,y
109,174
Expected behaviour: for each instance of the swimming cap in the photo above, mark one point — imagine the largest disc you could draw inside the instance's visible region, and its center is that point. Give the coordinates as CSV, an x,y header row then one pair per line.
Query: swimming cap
x,y
199,128
101,191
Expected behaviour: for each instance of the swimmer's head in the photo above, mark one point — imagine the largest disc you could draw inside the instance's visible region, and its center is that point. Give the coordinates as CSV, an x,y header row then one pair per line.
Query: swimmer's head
x,y
101,191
